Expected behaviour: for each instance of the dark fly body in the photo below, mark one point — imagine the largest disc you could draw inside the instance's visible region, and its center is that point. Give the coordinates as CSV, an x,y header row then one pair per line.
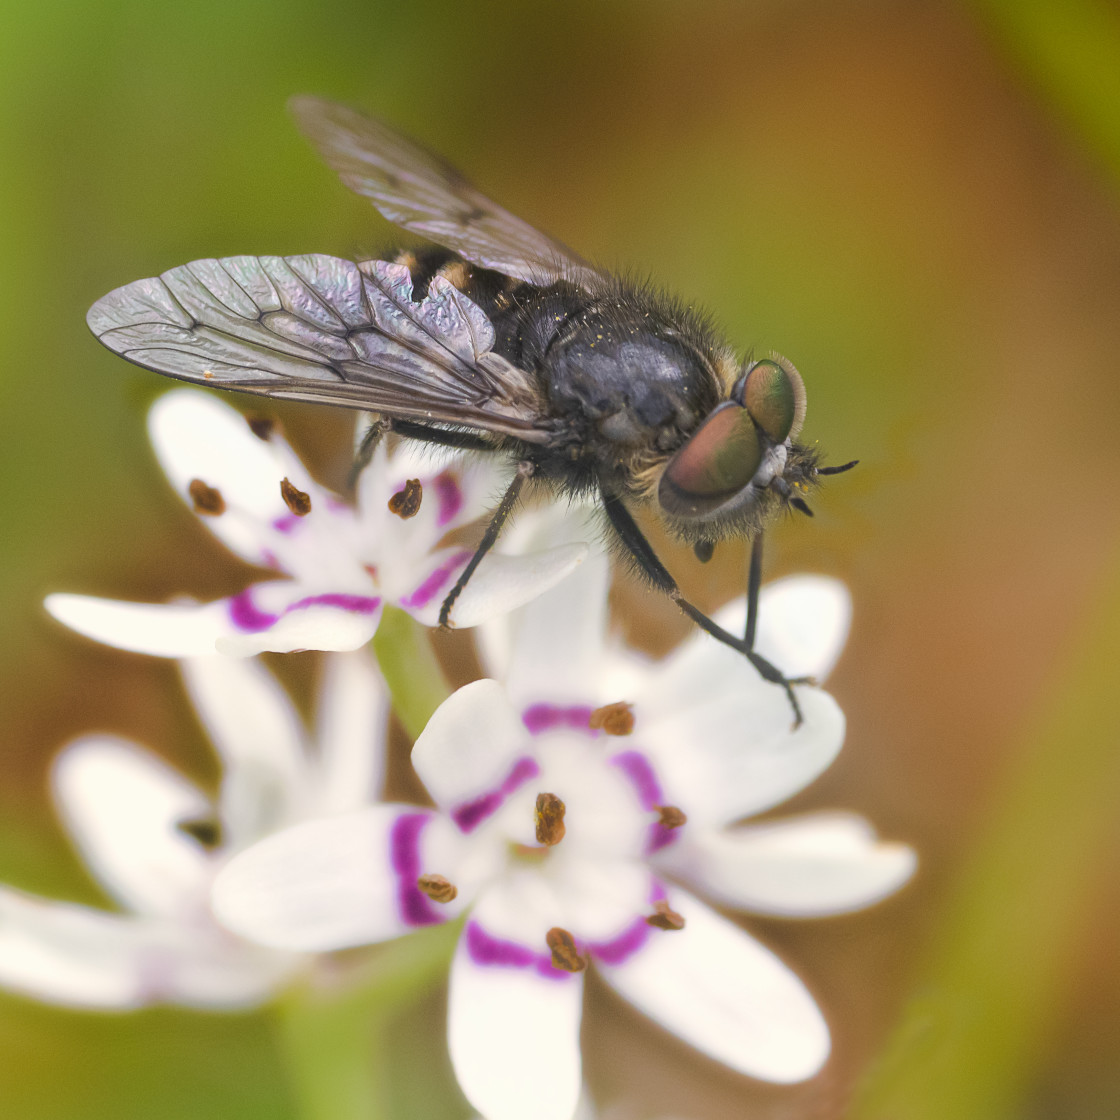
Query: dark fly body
x,y
502,341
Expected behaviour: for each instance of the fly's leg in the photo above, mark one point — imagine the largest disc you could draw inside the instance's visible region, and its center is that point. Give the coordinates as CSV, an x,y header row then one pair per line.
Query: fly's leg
x,y
633,539
501,515
410,429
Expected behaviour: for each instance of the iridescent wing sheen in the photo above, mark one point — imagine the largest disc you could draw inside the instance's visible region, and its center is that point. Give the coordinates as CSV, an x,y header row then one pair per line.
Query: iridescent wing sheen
x,y
317,328
422,193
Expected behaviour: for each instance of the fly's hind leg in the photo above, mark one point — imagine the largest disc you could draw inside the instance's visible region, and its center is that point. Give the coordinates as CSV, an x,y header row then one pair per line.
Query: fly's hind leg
x,y
633,539
501,515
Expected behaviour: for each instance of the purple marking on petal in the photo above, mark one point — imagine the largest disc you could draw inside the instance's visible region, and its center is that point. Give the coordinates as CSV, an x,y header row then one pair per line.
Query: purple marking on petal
x,y
247,616
639,770
622,947
286,523
449,495
415,907
435,582
660,837
471,814
250,619
547,717
495,952
355,604
642,777
269,559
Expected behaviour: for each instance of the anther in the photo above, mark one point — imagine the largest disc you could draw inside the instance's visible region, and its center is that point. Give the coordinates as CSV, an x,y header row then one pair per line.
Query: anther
x,y
294,498
406,503
205,499
549,818
565,955
261,426
664,918
670,816
614,719
206,830
437,888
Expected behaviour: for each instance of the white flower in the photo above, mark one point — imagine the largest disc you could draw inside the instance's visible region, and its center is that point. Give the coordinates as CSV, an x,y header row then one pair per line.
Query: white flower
x,y
342,564
154,841
549,887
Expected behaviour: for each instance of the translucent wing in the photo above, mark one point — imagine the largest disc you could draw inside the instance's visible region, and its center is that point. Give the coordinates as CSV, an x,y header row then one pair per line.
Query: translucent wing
x,y
316,328
424,194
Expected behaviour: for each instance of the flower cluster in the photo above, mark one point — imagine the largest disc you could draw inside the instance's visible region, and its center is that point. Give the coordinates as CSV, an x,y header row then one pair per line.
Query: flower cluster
x,y
583,797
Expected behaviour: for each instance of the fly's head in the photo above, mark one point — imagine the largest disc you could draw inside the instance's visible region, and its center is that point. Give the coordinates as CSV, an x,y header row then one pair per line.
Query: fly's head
x,y
742,464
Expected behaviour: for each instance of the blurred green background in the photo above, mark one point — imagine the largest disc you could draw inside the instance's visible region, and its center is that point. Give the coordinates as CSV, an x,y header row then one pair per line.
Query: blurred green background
x,y
916,202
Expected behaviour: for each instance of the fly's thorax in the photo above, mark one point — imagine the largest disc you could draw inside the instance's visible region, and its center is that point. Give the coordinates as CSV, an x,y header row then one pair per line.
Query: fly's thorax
x,y
629,381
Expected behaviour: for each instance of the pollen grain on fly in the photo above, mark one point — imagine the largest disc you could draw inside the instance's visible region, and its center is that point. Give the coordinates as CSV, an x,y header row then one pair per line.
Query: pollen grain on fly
x,y
613,719
565,955
405,503
549,819
206,500
295,499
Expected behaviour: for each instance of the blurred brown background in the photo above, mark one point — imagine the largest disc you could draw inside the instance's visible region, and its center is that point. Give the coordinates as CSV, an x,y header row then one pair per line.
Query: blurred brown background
x,y
877,189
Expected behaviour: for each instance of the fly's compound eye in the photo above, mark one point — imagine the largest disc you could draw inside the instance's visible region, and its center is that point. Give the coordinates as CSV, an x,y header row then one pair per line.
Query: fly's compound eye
x,y
718,461
774,394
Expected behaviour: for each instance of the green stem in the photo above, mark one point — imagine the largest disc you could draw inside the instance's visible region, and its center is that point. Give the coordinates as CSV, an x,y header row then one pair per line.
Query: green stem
x,y
973,1035
335,1032
410,668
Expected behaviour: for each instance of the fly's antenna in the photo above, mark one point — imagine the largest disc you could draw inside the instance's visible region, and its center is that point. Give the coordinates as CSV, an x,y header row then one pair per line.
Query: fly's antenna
x,y
838,470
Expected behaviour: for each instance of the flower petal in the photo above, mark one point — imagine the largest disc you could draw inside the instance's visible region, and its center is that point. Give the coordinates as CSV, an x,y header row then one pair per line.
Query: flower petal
x,y
196,436
69,954
503,583
513,1027
807,866
340,881
124,808
559,636
160,629
720,990
260,740
722,738
80,957
471,747
352,730
803,623
282,616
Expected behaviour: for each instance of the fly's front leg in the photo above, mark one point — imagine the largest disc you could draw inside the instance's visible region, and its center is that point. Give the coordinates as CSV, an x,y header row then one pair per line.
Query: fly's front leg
x,y
767,670
501,515
633,539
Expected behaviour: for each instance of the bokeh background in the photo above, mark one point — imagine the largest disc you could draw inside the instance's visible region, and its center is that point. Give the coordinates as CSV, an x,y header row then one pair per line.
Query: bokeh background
x,y
916,202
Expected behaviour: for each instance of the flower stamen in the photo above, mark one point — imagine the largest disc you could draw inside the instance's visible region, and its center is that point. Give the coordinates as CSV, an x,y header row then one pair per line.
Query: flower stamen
x,y
406,503
437,888
549,819
665,918
206,830
261,426
295,499
206,500
669,816
565,955
613,719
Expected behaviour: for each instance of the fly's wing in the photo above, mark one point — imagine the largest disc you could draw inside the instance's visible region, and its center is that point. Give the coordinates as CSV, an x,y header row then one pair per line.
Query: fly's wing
x,y
316,328
422,193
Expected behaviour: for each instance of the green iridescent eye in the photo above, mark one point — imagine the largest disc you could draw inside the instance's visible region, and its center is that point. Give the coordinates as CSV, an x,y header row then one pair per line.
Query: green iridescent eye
x,y
718,461
775,397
